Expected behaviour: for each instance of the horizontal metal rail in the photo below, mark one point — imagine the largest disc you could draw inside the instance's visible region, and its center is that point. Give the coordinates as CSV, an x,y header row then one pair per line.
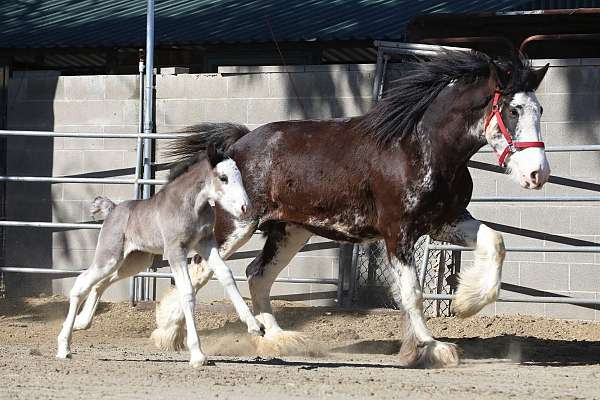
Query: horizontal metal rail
x,y
532,299
517,249
67,272
51,179
95,135
566,199
62,225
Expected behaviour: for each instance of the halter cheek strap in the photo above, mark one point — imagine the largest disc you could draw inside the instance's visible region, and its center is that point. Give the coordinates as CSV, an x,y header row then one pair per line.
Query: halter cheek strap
x,y
511,146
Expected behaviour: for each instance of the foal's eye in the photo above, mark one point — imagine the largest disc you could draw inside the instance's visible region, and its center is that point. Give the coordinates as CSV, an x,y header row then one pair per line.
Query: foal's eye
x,y
223,178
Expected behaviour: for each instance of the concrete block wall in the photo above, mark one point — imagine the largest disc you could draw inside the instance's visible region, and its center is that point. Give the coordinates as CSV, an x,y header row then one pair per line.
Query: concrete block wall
x,y
255,95
46,101
252,96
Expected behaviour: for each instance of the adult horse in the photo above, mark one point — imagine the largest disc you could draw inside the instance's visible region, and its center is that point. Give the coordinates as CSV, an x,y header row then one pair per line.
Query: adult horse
x,y
395,173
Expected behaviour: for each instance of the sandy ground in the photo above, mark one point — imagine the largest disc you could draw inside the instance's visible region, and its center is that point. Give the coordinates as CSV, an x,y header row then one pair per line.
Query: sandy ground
x,y
504,357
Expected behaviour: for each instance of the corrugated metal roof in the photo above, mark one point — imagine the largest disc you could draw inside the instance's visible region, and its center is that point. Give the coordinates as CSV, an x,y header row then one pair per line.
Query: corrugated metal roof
x,y
108,23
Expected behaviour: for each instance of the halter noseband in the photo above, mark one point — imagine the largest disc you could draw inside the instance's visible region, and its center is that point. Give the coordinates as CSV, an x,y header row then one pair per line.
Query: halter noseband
x,y
511,146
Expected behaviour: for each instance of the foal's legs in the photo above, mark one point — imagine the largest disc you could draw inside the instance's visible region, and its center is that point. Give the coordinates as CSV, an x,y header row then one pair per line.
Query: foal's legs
x,y
177,257
208,250
170,331
106,261
418,346
132,264
283,242
480,284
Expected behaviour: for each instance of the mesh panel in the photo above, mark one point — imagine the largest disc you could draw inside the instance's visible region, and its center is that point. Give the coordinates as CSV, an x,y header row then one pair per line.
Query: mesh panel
x,y
374,277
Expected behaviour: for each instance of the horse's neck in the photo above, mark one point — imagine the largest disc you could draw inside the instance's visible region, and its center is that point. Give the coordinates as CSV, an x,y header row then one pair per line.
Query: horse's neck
x,y
450,150
191,183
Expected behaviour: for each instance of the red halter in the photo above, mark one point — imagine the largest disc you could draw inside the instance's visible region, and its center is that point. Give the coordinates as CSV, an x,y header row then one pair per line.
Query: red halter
x,y
511,146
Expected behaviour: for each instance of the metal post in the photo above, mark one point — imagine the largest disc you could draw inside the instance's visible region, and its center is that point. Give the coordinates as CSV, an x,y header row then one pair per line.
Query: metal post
x,y
139,155
378,76
149,95
424,261
148,116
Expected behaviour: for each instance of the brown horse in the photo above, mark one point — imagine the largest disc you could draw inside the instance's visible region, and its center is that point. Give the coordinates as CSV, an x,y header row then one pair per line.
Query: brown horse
x,y
395,173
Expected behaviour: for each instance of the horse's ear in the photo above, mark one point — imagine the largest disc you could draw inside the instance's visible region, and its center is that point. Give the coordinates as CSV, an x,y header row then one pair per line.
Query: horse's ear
x,y
214,155
501,73
536,76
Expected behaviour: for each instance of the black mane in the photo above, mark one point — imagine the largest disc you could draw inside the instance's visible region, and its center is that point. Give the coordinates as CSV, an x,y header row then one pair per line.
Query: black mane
x,y
402,107
187,151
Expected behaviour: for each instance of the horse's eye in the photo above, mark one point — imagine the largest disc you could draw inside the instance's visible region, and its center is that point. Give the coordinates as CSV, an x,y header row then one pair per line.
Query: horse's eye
x,y
514,112
541,110
224,179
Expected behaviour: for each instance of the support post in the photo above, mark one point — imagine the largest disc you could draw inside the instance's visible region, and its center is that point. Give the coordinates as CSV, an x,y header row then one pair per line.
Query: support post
x,y
148,116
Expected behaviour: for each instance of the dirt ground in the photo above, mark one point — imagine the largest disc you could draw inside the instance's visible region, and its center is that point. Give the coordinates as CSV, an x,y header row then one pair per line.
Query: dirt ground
x,y
504,357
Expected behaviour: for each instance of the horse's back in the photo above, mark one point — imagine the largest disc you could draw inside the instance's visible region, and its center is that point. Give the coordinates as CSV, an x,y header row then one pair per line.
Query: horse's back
x,y
314,173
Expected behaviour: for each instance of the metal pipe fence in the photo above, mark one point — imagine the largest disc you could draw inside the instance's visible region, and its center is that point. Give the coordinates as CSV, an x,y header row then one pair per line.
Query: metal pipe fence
x,y
136,181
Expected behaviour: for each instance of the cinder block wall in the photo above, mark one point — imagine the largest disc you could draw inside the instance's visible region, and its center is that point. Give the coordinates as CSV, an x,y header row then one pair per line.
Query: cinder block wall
x,y
256,95
252,96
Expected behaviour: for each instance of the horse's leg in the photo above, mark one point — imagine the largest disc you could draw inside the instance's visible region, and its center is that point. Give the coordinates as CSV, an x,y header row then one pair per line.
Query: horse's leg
x,y
170,321
208,250
132,264
480,284
177,257
418,346
104,265
282,244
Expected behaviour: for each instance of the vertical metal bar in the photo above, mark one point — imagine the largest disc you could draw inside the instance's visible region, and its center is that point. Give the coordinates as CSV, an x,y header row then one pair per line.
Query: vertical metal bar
x,y
149,98
138,156
148,113
386,59
344,274
378,76
354,272
424,261
139,144
4,71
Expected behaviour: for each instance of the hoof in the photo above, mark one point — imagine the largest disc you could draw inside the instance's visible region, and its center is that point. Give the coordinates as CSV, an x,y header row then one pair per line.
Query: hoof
x,y
64,354
170,339
81,325
469,301
440,355
287,343
199,363
256,328
434,354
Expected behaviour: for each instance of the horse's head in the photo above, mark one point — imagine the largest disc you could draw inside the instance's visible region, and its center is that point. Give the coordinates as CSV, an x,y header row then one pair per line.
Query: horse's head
x,y
226,187
512,125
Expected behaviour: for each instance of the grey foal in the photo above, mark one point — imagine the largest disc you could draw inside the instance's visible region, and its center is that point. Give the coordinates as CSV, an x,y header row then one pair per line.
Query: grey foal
x,y
177,221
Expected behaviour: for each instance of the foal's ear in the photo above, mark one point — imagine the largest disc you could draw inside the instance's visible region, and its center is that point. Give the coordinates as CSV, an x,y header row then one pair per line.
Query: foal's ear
x,y
214,155
536,76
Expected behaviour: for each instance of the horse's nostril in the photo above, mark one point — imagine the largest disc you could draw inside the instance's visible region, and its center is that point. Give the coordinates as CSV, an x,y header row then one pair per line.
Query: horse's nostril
x,y
244,209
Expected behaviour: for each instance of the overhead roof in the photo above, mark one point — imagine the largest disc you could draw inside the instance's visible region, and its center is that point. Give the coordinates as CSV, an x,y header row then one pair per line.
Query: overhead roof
x,y
121,23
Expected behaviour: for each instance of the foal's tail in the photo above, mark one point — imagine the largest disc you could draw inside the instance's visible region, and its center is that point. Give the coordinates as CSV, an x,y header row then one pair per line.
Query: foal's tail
x,y
223,135
101,207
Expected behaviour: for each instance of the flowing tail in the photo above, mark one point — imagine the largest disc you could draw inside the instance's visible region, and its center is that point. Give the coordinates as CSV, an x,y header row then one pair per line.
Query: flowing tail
x,y
101,207
187,150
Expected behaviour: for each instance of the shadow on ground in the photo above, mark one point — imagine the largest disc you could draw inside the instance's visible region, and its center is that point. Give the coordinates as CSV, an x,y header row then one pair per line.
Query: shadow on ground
x,y
521,349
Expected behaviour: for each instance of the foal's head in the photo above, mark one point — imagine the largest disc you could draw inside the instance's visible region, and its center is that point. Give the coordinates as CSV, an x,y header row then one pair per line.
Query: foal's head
x,y
512,127
225,184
